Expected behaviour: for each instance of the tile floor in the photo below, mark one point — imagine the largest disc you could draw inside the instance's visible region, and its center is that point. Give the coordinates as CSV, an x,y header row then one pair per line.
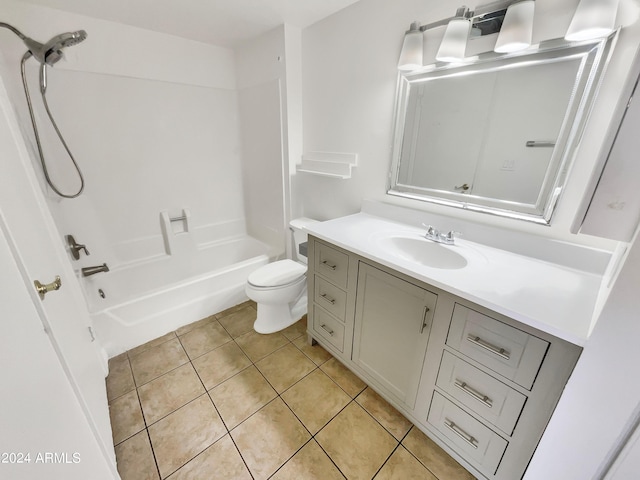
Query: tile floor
x,y
215,400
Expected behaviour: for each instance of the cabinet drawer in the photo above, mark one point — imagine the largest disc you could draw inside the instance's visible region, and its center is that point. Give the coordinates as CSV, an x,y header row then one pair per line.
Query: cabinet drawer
x,y
331,264
512,353
330,297
476,442
480,393
328,327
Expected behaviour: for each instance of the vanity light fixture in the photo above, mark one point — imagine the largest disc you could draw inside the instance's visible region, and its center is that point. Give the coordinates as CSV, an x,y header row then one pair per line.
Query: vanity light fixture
x,y
411,54
454,42
592,19
517,27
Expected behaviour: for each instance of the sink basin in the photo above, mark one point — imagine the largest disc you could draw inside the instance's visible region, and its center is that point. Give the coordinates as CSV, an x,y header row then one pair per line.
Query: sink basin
x,y
424,252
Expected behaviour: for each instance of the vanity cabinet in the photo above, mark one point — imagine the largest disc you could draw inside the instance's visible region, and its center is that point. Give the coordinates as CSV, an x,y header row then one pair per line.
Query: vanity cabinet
x,y
392,324
480,384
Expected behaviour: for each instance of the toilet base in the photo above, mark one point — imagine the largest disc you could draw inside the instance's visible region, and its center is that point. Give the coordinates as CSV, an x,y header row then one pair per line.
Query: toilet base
x,y
273,318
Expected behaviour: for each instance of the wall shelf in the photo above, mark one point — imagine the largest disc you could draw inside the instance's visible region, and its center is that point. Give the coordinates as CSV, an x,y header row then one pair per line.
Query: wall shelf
x,y
328,164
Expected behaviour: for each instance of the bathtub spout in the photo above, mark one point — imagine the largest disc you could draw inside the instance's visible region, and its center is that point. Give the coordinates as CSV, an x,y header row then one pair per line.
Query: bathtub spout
x,y
87,271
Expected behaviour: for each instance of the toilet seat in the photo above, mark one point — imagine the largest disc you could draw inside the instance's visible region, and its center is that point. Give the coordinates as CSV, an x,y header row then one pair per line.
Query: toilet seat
x,y
277,274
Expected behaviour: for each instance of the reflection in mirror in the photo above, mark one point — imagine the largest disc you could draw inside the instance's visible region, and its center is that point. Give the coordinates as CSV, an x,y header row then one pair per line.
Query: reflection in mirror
x,y
496,135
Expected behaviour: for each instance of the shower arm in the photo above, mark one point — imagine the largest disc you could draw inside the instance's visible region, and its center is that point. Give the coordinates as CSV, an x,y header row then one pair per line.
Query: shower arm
x,y
14,30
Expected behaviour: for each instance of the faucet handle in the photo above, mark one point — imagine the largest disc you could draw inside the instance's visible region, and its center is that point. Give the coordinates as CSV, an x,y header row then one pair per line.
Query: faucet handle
x,y
76,247
430,229
451,235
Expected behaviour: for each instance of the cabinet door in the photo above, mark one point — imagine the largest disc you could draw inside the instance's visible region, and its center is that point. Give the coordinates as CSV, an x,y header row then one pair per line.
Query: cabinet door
x,y
392,325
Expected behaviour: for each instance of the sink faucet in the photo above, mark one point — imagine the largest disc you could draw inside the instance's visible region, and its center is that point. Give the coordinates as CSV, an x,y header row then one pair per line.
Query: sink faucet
x,y
436,236
88,271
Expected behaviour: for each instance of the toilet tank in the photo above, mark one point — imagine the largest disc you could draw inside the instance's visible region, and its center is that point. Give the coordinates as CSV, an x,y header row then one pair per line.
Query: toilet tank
x,y
299,236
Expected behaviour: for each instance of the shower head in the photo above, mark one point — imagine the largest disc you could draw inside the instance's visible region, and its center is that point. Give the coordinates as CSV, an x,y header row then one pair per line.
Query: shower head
x,y
51,52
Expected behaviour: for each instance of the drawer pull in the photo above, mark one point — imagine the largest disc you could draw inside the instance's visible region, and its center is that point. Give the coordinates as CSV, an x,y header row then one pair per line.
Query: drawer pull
x,y
461,433
326,297
470,391
501,352
325,263
326,329
424,319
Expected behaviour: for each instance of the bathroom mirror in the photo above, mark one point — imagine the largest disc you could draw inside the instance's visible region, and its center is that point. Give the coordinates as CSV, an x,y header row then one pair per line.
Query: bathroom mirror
x,y
497,134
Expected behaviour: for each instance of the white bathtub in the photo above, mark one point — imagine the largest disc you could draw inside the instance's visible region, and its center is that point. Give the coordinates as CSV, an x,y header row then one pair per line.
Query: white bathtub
x,y
145,301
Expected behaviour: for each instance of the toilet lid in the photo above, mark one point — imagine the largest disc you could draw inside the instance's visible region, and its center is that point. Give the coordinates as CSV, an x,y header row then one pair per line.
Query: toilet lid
x,y
277,273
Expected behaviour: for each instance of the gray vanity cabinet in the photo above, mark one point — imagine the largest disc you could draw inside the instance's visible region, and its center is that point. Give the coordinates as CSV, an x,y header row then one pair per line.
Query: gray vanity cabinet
x,y
392,324
480,384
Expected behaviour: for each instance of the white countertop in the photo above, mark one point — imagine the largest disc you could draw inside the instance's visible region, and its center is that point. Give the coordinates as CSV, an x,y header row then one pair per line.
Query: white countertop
x,y
553,298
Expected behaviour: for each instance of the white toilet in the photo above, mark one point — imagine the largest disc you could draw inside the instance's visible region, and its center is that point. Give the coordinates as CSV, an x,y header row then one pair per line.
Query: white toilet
x,y
280,288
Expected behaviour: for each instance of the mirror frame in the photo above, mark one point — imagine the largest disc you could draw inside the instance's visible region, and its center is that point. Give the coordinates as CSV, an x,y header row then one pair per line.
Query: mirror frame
x,y
594,56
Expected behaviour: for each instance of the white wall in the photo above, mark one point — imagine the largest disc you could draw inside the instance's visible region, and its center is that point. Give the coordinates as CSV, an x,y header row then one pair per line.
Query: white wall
x,y
269,90
153,121
349,81
261,71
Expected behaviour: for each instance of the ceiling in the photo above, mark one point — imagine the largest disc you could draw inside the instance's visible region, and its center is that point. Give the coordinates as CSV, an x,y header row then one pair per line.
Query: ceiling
x,y
218,22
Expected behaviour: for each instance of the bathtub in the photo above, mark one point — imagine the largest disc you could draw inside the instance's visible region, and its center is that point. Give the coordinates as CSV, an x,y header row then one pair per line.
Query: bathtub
x,y
146,300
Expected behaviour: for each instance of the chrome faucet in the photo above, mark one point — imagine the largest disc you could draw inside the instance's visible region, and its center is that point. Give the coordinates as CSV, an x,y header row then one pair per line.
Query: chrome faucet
x,y
88,271
436,236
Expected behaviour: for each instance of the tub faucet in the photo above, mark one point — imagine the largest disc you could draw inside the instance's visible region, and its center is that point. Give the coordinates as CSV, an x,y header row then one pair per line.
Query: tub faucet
x,y
87,271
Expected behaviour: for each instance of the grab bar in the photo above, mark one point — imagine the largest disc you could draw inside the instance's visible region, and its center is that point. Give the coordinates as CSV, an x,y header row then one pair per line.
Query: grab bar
x,y
177,219
540,143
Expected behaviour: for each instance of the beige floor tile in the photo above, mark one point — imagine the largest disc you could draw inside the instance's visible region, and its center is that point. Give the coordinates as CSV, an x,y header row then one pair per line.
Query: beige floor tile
x,y
316,353
185,433
157,361
192,326
285,366
153,343
384,413
241,396
343,377
126,417
221,461
310,463
235,308
315,400
135,459
220,364
433,457
239,321
296,330
403,465
269,438
204,339
120,378
357,444
258,346
169,392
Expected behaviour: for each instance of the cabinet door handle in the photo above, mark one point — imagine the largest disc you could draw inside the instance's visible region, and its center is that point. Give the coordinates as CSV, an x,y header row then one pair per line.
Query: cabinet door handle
x,y
327,329
501,352
424,319
328,298
474,393
461,433
325,263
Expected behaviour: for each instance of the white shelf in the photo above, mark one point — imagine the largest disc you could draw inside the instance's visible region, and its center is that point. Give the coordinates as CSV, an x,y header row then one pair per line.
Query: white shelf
x,y
328,164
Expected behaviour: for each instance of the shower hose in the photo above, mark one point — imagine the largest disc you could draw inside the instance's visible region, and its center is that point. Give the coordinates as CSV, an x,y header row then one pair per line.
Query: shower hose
x,y
43,67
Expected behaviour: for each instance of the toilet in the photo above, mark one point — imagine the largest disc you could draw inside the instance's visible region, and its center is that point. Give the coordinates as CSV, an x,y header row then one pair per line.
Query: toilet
x,y
280,288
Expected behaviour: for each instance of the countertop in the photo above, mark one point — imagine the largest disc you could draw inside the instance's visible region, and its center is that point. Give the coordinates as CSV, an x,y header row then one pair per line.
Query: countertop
x,y
553,298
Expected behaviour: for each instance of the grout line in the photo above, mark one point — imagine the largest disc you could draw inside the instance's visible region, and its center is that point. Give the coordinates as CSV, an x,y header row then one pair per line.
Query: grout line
x,y
153,452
